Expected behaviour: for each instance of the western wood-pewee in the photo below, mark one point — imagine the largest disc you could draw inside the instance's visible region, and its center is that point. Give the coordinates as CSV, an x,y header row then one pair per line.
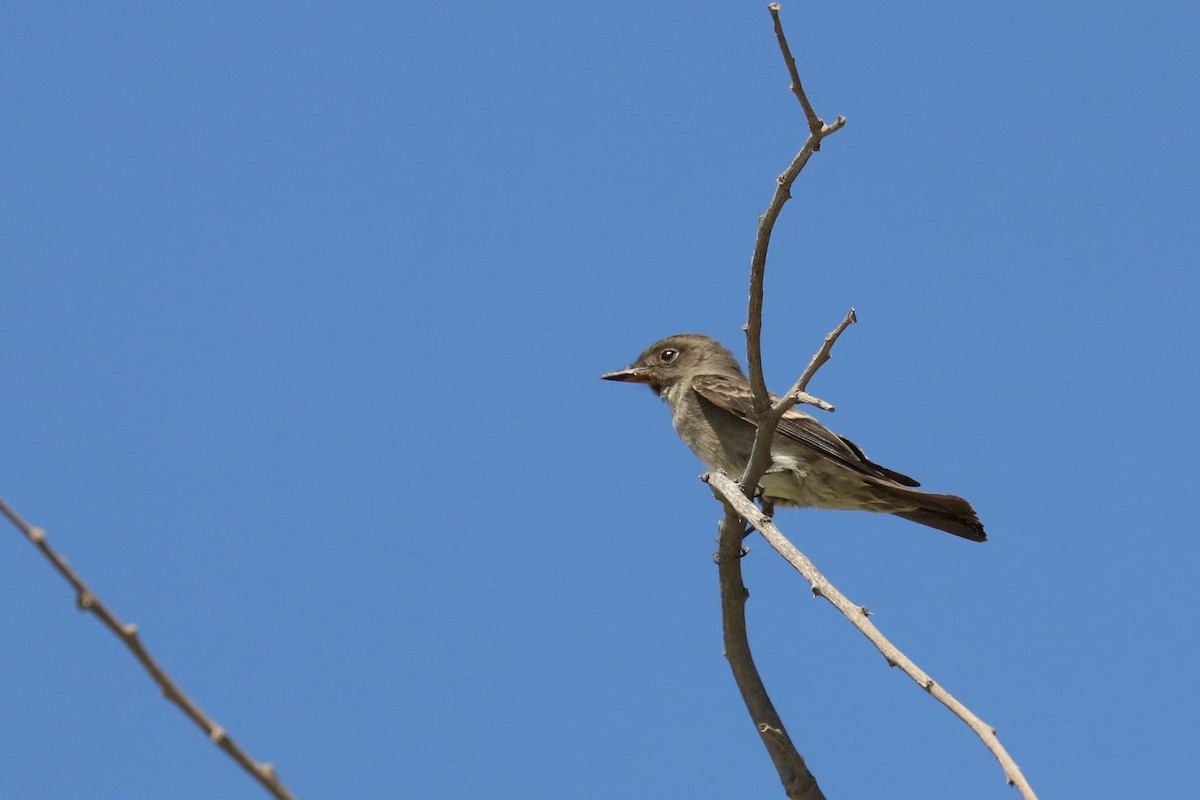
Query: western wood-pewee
x,y
713,412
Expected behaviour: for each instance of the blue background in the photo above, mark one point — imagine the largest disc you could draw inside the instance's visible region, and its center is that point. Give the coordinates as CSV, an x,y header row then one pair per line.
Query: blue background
x,y
303,308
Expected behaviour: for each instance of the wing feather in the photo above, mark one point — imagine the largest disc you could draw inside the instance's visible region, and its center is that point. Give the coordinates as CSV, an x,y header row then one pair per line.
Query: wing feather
x,y
733,395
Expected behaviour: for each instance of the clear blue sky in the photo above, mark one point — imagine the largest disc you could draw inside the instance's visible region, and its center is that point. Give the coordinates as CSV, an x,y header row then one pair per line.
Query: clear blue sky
x,y
303,308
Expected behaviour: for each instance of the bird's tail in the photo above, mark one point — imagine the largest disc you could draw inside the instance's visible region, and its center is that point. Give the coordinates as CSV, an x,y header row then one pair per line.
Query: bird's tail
x,y
946,512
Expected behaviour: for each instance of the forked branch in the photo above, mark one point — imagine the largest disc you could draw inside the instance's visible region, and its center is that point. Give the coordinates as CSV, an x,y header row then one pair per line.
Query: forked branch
x,y
798,781
737,498
731,493
817,131
768,423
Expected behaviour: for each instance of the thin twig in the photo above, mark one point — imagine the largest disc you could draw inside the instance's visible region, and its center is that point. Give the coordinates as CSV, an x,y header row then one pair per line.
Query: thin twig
x,y
798,782
818,130
731,494
799,397
821,356
814,122
760,453
86,600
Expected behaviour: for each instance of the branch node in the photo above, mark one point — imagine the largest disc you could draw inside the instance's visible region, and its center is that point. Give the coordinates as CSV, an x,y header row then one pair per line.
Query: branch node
x,y
765,728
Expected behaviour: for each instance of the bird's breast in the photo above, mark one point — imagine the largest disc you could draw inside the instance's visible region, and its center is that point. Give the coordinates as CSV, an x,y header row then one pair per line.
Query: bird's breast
x,y
719,439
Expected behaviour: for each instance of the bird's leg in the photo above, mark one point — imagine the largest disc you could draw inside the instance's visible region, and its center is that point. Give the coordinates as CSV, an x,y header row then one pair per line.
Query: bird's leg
x,y
744,551
768,506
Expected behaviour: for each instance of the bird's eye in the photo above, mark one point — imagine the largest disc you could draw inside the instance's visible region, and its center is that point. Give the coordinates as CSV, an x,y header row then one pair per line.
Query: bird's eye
x,y
668,355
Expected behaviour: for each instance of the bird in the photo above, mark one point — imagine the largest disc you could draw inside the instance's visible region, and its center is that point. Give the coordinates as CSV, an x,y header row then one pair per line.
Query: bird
x,y
712,409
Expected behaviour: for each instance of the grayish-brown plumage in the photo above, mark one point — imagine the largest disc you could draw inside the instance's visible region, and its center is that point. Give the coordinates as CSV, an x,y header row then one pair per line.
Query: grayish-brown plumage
x,y
713,412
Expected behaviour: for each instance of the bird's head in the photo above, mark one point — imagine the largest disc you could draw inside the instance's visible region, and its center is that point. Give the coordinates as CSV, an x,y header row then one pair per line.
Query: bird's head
x,y
677,358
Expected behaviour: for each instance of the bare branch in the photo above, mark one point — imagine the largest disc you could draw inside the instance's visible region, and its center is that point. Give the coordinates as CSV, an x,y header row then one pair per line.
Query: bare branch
x,y
87,600
822,355
818,130
760,453
731,494
814,122
798,782
798,397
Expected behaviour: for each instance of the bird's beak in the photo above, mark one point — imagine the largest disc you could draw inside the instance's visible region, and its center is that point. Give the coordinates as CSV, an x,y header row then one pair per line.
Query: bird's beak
x,y
629,375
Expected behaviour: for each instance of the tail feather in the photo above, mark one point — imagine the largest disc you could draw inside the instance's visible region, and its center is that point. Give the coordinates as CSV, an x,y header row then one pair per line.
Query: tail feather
x,y
946,512
949,513
966,527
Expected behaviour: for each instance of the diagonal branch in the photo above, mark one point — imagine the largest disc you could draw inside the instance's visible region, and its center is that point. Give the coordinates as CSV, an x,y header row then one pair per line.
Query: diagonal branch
x,y
86,600
731,494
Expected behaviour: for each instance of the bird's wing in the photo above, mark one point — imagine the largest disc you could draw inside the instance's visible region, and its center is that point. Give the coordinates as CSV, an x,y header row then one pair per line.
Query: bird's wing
x,y
733,395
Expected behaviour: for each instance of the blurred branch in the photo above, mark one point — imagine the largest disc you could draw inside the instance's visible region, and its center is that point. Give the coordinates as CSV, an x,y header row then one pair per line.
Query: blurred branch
x,y
86,600
731,494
